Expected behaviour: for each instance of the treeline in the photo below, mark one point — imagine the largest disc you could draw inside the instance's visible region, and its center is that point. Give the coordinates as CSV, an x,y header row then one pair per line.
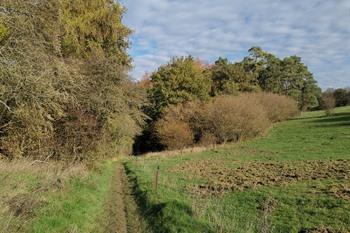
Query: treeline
x,y
188,80
335,98
64,89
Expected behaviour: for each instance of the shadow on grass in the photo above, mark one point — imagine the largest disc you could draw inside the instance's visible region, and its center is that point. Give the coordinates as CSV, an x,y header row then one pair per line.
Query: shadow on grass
x,y
305,118
164,217
335,120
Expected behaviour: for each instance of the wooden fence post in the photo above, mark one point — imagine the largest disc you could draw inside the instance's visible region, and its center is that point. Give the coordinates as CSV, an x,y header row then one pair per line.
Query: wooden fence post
x,y
156,177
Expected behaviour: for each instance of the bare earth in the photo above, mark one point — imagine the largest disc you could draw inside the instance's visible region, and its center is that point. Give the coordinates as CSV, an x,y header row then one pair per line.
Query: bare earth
x,y
122,210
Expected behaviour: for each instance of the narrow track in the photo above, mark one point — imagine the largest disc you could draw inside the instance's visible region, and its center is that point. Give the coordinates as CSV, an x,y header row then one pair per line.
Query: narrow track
x,y
122,209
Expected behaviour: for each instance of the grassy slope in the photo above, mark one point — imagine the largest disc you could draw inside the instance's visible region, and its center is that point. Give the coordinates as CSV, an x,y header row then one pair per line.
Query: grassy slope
x,y
46,199
299,205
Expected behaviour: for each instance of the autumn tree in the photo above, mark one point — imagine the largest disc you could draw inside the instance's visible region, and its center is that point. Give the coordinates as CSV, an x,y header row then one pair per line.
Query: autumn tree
x,y
67,92
183,79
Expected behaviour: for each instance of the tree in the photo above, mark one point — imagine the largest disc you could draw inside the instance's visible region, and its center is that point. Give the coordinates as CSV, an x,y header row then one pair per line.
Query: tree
x,y
94,27
341,97
63,71
231,78
183,79
95,37
286,77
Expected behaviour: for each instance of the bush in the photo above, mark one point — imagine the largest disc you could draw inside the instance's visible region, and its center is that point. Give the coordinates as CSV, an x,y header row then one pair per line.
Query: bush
x,y
223,119
277,107
232,118
174,134
208,139
328,103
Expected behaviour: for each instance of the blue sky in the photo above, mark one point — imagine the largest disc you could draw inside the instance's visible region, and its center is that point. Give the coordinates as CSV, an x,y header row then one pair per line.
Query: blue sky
x,y
316,30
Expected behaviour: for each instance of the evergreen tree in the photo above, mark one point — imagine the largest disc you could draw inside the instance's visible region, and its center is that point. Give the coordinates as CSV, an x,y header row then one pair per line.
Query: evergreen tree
x,y
229,78
286,77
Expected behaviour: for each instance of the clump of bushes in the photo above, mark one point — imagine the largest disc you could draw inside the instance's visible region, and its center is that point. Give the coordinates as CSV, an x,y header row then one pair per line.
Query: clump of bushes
x,y
277,107
175,134
232,118
223,119
175,128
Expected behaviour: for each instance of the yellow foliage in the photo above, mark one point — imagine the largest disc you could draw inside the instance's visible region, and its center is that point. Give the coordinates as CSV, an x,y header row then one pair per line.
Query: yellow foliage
x,y
3,31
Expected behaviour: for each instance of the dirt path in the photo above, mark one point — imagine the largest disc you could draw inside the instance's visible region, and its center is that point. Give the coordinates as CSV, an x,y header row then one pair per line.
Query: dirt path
x,y
122,210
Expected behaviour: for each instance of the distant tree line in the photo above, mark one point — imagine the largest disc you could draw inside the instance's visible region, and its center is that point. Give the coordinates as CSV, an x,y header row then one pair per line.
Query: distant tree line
x,y
341,97
332,98
186,79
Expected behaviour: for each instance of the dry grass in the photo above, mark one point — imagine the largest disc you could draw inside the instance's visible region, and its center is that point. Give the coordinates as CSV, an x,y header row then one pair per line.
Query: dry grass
x,y
47,169
169,153
25,186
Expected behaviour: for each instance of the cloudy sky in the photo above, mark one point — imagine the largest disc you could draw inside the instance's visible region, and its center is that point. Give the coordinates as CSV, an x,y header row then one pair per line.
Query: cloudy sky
x,y
316,30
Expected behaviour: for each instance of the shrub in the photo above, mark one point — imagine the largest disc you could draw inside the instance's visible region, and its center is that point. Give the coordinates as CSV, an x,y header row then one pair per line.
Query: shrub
x,y
174,134
277,107
328,103
232,118
173,128
208,139
224,119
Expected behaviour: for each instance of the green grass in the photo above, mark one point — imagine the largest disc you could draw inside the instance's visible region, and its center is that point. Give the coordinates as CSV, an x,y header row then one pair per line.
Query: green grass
x,y
298,205
75,204
79,209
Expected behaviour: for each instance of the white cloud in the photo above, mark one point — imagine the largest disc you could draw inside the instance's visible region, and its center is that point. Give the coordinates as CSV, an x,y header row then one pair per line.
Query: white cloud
x,y
316,30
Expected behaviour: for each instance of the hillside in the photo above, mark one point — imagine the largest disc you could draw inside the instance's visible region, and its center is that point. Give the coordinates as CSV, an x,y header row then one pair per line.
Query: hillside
x,y
295,179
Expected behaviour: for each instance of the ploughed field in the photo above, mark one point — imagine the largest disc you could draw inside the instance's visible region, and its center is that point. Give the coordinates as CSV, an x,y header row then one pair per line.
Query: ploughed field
x,y
295,179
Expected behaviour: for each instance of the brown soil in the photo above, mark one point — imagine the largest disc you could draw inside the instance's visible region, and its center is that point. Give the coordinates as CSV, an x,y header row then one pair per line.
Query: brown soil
x,y
122,210
221,179
318,230
340,191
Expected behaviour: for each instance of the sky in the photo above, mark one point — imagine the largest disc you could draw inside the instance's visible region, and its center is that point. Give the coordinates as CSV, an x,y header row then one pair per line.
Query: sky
x,y
316,30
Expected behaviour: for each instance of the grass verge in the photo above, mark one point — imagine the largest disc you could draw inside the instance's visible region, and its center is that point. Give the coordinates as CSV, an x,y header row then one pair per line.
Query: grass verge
x,y
51,198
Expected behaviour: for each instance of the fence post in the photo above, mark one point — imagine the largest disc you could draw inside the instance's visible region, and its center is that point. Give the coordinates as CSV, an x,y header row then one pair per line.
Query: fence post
x,y
156,177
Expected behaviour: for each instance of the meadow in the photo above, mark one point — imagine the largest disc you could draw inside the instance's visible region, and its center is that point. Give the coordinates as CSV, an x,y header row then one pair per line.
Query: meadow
x,y
294,179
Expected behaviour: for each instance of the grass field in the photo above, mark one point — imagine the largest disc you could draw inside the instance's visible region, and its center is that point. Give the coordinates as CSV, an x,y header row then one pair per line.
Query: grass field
x,y
295,179
44,198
